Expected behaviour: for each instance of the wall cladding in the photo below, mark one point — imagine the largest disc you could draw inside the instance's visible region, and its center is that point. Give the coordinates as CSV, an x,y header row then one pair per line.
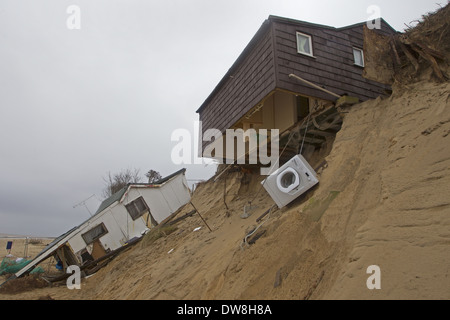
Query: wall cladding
x,y
265,64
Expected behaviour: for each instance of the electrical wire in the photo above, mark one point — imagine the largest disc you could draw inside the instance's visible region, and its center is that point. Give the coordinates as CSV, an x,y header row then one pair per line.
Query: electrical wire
x,y
244,241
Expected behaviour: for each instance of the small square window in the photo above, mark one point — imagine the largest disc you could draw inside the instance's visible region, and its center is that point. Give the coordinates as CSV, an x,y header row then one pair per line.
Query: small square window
x,y
304,44
358,56
94,233
137,208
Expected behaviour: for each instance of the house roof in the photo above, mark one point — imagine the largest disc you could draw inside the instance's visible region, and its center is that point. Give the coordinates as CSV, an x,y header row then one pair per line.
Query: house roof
x,y
259,35
109,201
164,180
119,194
47,251
321,26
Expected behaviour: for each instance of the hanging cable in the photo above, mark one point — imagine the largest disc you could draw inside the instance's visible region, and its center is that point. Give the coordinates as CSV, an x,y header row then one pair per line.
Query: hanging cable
x,y
291,135
244,241
304,136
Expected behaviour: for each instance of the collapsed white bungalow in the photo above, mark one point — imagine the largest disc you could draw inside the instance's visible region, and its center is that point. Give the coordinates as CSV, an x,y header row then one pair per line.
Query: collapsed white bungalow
x,y
121,219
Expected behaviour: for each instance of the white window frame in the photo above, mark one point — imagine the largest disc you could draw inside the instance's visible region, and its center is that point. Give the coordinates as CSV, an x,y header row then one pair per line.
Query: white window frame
x,y
133,209
88,239
362,57
310,44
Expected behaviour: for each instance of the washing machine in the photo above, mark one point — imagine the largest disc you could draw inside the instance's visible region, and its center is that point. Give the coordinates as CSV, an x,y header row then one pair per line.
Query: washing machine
x,y
290,181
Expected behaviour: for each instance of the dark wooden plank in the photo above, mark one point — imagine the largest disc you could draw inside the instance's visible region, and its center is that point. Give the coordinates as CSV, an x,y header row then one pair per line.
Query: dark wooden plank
x,y
333,67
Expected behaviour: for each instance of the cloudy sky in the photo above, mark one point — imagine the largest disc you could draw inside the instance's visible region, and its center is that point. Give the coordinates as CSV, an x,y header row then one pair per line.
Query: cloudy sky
x,y
79,103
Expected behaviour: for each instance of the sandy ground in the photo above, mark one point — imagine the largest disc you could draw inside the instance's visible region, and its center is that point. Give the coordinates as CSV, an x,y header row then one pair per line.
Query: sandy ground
x,y
18,247
19,250
383,200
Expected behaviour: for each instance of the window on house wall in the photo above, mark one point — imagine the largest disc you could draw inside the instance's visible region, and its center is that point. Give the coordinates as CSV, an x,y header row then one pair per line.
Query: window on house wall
x,y
137,208
304,44
358,55
94,234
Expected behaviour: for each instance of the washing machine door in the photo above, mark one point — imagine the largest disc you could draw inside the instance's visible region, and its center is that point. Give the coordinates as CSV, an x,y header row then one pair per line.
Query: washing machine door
x,y
288,180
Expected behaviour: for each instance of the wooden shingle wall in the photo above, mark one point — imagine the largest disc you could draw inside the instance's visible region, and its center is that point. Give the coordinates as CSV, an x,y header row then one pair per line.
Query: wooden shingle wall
x,y
272,55
332,66
243,88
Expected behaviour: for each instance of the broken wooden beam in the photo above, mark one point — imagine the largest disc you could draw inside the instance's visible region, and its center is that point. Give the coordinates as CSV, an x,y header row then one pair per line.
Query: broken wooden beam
x,y
189,214
346,101
310,140
428,57
265,213
258,235
314,85
200,216
409,55
323,133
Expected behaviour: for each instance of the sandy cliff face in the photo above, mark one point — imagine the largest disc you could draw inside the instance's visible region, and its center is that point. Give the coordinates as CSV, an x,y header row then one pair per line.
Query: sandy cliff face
x,y
383,199
398,212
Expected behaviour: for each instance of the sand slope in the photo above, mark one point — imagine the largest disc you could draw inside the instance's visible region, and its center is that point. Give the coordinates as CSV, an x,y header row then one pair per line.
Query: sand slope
x,y
383,199
399,214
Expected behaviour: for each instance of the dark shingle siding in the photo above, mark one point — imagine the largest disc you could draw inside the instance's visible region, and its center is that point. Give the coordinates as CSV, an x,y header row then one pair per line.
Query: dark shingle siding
x,y
332,66
250,82
271,56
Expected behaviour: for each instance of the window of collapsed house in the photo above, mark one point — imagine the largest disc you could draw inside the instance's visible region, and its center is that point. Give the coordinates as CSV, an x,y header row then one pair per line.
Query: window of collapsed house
x,y
94,234
358,55
304,44
137,208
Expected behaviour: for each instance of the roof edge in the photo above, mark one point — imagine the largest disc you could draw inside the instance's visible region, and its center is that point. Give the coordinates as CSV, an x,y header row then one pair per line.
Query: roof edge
x,y
117,197
261,31
157,184
365,22
299,22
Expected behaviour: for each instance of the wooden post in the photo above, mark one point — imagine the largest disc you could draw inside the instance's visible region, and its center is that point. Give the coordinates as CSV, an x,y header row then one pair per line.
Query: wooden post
x,y
225,192
200,216
9,246
314,85
60,252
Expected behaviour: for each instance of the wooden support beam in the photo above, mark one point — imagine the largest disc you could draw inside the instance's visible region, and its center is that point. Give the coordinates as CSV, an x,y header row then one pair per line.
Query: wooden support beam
x,y
429,58
409,55
395,52
174,221
314,140
314,85
62,257
200,216
428,50
322,133
346,101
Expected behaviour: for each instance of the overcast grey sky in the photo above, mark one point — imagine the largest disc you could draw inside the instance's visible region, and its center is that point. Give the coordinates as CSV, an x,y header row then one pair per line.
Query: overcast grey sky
x,y
76,104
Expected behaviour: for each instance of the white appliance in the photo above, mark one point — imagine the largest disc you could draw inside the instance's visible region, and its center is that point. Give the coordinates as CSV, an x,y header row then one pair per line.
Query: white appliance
x,y
290,181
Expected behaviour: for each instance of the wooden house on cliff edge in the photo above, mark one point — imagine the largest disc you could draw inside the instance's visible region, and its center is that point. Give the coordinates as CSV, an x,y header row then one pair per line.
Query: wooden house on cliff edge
x,y
261,90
